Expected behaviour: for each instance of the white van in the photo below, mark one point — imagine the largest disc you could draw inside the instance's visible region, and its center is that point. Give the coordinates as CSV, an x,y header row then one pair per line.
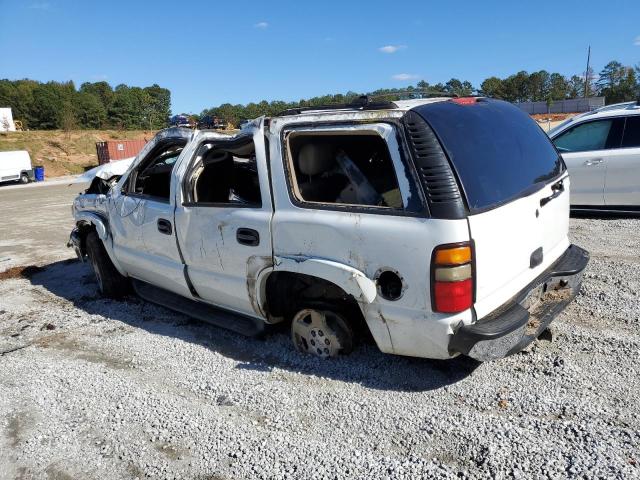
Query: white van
x,y
16,166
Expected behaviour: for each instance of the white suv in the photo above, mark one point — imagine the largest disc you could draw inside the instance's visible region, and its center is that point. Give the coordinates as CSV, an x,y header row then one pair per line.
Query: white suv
x,y
602,152
438,226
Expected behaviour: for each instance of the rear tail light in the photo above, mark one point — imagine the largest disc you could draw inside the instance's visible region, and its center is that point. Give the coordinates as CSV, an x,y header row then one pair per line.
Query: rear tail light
x,y
452,282
465,100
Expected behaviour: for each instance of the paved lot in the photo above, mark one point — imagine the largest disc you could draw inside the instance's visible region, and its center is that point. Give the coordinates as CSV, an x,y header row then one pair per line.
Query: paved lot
x,y
35,221
94,389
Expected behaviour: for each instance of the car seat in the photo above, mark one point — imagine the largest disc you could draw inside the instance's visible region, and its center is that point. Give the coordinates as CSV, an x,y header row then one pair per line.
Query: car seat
x,y
319,182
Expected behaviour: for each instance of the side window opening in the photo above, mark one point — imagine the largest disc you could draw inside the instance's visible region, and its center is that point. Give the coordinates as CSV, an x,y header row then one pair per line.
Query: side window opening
x,y
631,137
343,168
591,136
153,176
224,175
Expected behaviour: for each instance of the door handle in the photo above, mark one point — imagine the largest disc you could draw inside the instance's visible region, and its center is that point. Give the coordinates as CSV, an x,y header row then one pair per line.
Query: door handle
x,y
248,236
557,189
593,161
164,226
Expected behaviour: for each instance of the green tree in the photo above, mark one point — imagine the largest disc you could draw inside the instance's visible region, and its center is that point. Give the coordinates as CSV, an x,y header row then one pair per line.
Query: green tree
x,y
575,87
539,86
100,89
89,110
558,87
516,87
457,87
617,83
493,87
157,106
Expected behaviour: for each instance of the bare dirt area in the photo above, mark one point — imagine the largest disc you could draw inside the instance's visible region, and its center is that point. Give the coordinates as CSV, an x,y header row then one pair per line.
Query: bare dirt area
x,y
65,153
94,388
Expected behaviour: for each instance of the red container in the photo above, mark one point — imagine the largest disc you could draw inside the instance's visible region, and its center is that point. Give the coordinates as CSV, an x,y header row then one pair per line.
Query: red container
x,y
113,150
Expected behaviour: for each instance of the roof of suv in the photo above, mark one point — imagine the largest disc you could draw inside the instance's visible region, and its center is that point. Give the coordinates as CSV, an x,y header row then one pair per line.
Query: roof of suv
x,y
366,105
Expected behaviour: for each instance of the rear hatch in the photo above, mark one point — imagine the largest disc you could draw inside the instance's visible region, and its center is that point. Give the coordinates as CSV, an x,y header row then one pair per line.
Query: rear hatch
x,y
516,189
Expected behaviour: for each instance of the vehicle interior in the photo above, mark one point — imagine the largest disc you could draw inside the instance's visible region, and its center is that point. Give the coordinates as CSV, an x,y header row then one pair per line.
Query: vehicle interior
x,y
343,168
153,176
225,173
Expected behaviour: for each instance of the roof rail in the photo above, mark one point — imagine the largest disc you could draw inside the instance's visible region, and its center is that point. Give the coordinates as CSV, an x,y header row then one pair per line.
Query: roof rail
x,y
368,102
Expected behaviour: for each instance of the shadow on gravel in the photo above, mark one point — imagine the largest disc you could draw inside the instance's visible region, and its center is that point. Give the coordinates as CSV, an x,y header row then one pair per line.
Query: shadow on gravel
x,y
74,281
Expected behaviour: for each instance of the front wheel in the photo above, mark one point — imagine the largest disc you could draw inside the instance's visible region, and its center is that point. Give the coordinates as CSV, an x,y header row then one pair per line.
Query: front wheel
x,y
110,282
24,178
323,333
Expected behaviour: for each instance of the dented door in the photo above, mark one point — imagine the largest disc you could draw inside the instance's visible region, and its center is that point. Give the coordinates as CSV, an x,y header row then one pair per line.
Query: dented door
x,y
223,245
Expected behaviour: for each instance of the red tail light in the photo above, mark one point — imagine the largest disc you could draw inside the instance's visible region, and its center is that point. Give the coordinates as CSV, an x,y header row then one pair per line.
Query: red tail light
x,y
452,283
465,100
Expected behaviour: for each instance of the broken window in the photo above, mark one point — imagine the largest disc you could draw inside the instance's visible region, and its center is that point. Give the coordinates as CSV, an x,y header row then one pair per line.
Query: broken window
x,y
153,177
225,175
343,168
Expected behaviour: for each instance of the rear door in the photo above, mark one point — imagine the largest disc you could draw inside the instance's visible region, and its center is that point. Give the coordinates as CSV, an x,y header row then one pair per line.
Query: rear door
x,y
587,149
517,193
622,182
223,218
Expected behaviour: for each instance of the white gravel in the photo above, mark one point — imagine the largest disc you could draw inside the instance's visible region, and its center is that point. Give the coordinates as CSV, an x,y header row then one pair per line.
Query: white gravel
x,y
100,389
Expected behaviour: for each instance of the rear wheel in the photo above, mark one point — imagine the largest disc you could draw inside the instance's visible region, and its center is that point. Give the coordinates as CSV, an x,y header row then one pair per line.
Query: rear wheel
x,y
24,178
110,282
323,333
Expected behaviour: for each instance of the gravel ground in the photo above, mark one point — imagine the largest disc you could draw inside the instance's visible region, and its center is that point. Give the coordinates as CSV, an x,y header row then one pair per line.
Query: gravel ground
x,y
101,389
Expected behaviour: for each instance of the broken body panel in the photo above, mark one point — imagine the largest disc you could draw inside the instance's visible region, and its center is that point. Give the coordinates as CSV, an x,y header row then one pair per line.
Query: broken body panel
x,y
275,217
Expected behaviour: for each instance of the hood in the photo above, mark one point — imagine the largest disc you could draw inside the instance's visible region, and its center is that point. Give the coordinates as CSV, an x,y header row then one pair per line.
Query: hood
x,y
106,171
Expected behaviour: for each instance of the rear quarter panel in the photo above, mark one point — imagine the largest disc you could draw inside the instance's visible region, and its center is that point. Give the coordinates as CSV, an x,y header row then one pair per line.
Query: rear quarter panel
x,y
370,243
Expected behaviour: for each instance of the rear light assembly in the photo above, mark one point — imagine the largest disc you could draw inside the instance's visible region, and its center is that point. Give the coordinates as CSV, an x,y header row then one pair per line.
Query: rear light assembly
x,y
465,100
452,278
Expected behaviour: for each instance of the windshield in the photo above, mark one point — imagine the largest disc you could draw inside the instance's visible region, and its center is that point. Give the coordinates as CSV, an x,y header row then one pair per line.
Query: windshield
x,y
497,151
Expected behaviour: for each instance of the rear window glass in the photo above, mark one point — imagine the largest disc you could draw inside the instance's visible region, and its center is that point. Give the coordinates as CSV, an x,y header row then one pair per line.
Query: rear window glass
x,y
497,151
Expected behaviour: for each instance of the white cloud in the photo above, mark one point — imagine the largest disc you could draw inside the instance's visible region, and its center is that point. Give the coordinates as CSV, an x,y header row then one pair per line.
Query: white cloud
x,y
403,77
40,6
392,48
261,25
637,41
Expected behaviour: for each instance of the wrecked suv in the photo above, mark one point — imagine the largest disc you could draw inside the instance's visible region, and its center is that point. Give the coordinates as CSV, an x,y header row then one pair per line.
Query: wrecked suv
x,y
436,226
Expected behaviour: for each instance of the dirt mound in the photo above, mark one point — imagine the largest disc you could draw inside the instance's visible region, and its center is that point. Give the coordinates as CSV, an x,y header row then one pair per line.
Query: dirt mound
x,y
65,153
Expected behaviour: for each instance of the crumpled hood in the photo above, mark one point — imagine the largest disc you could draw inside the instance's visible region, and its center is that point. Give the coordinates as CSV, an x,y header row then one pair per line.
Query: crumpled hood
x,y
106,171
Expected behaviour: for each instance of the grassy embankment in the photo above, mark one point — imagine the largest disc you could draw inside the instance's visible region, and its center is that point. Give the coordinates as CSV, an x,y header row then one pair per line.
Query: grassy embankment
x,y
65,153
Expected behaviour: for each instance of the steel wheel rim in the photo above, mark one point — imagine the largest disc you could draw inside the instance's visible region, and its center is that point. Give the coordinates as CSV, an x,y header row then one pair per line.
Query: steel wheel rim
x,y
312,334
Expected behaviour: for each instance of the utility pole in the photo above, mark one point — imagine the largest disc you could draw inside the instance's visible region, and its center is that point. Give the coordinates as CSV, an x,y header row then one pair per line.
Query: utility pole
x,y
586,75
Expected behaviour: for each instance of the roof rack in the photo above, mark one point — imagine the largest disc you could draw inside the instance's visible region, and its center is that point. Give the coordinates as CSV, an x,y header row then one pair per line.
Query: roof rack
x,y
368,102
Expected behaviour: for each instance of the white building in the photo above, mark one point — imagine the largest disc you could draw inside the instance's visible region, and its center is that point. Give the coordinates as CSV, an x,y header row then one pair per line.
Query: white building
x,y
6,120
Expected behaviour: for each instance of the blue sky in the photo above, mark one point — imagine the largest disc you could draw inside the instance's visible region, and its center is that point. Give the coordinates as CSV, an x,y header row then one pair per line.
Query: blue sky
x,y
209,52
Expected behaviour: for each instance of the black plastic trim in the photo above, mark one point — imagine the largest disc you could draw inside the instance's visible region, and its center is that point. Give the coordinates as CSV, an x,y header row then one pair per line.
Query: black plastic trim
x,y
513,316
434,170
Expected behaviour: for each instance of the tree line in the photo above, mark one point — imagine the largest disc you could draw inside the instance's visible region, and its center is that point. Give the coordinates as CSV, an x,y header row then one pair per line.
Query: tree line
x,y
59,105
616,82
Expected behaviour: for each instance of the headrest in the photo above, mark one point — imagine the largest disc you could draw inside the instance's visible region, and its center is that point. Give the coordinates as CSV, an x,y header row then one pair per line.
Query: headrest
x,y
315,158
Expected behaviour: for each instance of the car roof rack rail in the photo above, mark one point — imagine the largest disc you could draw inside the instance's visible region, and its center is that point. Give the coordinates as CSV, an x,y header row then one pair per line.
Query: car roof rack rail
x,y
370,102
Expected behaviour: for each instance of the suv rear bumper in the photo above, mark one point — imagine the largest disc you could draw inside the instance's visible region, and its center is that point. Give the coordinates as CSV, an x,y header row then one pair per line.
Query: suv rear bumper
x,y
520,321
